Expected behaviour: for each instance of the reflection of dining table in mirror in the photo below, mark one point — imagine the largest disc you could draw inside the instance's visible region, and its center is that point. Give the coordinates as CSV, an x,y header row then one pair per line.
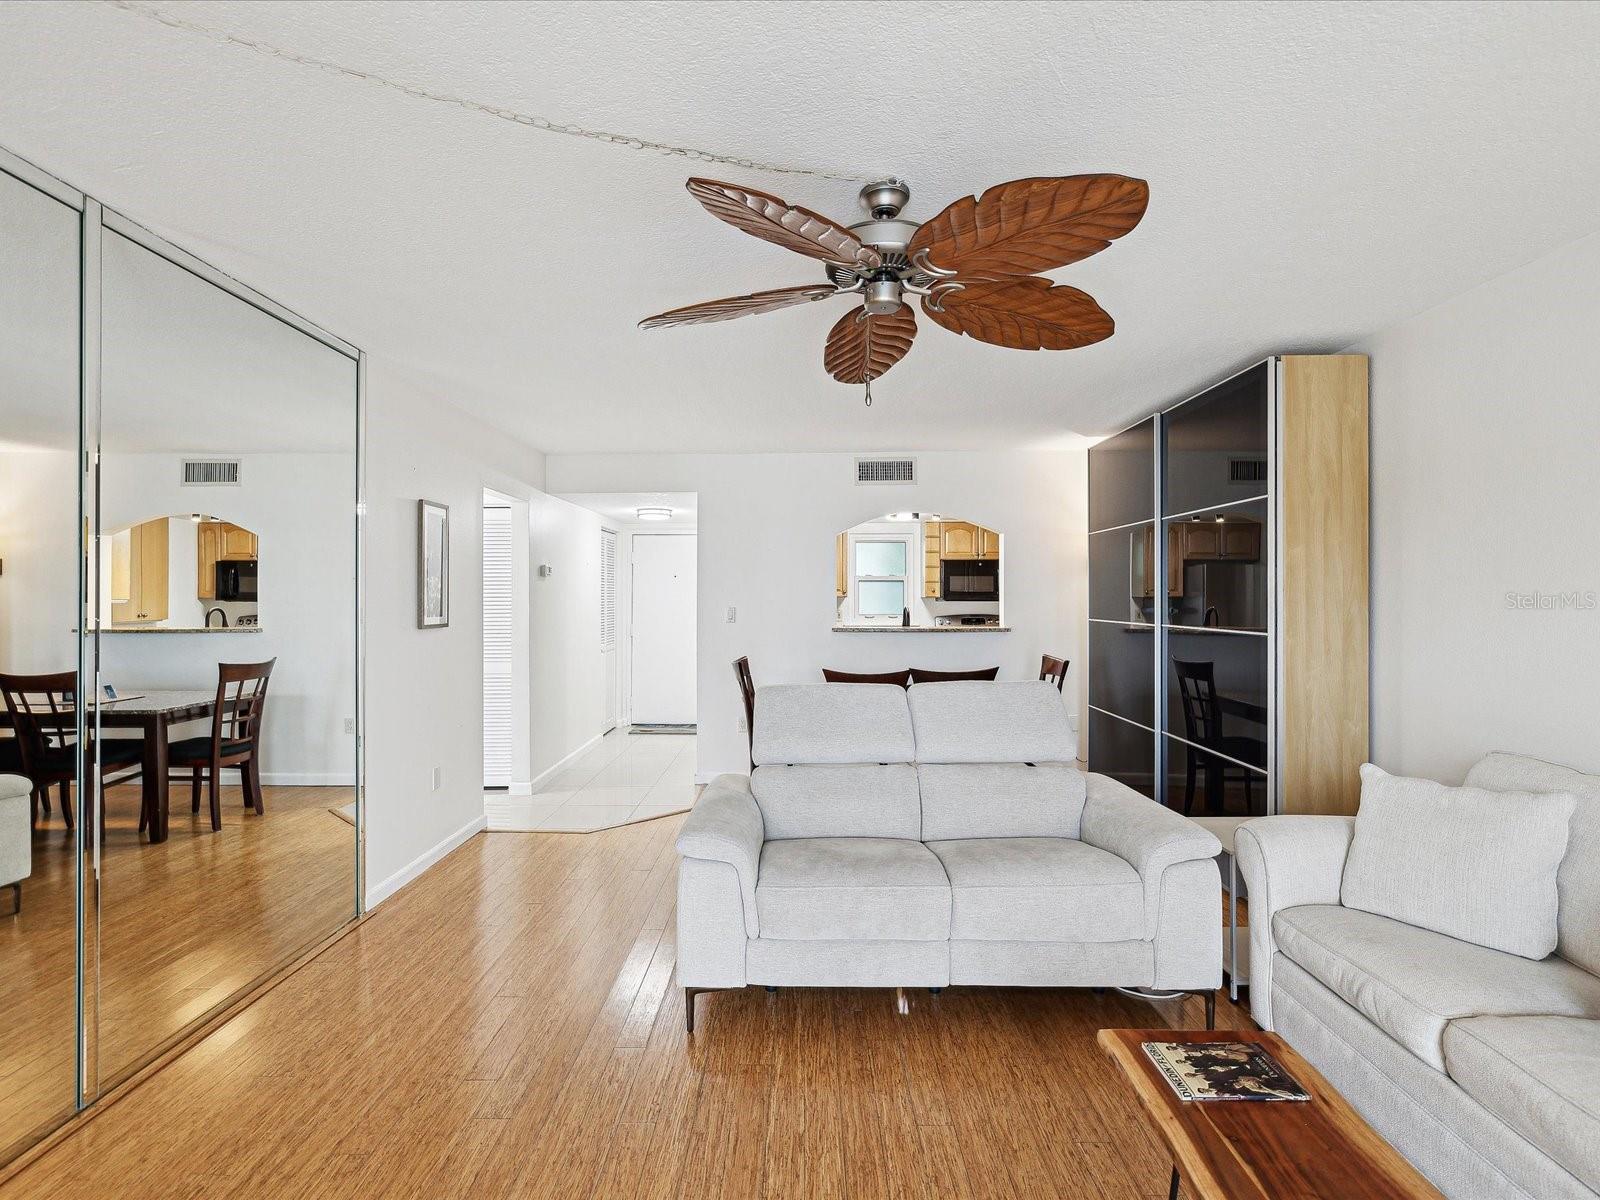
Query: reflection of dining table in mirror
x,y
152,712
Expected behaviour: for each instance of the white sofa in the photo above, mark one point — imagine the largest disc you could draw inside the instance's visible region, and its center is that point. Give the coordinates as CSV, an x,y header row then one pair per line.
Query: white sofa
x,y
1481,1067
16,836
938,835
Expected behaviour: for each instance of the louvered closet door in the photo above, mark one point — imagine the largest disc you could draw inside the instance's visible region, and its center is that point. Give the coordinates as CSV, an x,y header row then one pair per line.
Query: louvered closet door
x,y
608,627
497,624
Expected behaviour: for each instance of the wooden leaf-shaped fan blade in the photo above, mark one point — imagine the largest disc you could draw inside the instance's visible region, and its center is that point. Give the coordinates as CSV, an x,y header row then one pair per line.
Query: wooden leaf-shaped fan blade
x,y
1023,314
1031,225
862,346
739,306
783,224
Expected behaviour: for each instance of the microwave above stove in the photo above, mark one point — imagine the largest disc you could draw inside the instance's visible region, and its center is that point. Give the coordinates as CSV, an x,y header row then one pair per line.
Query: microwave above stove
x,y
969,579
236,580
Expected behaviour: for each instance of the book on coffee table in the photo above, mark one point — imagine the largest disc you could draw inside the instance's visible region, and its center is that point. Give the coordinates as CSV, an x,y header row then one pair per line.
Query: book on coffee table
x,y
1222,1071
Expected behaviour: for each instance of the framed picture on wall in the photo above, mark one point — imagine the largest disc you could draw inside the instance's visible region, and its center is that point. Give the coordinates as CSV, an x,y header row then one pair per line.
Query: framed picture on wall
x,y
433,565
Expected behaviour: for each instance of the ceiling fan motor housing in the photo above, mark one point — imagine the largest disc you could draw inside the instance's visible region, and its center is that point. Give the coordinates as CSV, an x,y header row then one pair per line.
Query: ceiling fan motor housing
x,y
882,294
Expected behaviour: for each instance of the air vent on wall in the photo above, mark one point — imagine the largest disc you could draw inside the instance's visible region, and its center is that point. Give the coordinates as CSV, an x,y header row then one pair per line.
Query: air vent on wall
x,y
1247,470
886,470
211,472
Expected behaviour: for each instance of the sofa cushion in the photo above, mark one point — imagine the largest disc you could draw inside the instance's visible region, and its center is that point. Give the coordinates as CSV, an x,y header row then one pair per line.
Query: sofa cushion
x,y
1476,865
825,889
1541,1076
832,723
1412,982
967,722
1578,881
1000,800
839,800
1040,889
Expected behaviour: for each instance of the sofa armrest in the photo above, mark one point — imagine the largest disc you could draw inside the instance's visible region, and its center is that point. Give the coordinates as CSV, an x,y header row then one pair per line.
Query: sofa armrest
x,y
725,826
1152,838
1286,861
16,829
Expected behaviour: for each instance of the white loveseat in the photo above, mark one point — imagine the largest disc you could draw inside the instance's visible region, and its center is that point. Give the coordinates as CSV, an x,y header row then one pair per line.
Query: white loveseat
x,y
16,836
1481,1067
938,835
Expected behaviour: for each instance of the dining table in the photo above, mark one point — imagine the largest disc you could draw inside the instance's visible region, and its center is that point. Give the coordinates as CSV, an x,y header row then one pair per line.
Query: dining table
x,y
153,712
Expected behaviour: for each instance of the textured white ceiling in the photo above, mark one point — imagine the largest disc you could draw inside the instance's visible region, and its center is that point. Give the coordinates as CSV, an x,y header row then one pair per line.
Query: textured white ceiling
x,y
1316,171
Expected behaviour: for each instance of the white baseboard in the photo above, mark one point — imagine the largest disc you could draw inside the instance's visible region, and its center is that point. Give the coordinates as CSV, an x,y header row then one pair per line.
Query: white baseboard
x,y
305,779
382,890
550,773
512,811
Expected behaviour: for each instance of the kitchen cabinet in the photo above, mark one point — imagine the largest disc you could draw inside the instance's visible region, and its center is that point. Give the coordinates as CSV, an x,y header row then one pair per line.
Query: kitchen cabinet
x,y
964,540
139,573
841,566
223,541
932,553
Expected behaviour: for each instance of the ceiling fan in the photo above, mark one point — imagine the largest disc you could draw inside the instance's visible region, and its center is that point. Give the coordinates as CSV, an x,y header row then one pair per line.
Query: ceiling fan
x,y
975,266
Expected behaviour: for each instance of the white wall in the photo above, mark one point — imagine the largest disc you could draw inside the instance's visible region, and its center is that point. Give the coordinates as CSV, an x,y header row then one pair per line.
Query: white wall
x,y
301,506
767,524
1486,483
424,686
38,561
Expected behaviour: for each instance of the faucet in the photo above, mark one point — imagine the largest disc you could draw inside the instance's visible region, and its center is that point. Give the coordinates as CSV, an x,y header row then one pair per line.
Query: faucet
x,y
218,610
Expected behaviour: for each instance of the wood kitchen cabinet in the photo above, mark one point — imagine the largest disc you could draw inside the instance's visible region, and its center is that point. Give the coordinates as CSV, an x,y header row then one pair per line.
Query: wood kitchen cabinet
x,y
139,573
223,541
932,553
964,540
841,566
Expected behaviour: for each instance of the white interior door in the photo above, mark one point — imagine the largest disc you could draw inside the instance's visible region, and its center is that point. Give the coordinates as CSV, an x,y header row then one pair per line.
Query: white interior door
x,y
663,630
498,605
610,667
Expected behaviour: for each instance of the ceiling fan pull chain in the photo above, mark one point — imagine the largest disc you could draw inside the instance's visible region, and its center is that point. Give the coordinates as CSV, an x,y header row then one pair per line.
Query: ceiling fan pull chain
x,y
869,391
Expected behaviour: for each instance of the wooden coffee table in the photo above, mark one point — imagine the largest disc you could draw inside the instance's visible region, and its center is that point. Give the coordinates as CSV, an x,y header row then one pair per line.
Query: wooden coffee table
x,y
1254,1150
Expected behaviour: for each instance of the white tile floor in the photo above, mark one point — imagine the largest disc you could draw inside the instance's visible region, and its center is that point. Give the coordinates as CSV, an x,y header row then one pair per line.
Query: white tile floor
x,y
626,778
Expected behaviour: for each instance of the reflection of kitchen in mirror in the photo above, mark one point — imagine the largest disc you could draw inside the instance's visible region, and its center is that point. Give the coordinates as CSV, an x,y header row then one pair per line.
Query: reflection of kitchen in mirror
x,y
190,573
1216,570
920,571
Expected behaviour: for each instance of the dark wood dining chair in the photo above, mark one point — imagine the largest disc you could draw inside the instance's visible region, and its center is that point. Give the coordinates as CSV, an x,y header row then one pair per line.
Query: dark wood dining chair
x,y
918,675
747,692
1054,670
898,678
1202,728
235,741
43,711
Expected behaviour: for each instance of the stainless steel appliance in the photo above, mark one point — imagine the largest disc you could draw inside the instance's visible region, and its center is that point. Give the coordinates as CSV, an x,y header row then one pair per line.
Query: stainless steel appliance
x,y
969,579
236,580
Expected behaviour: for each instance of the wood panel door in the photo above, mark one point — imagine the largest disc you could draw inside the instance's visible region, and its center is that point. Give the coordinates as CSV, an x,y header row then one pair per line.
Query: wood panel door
x,y
988,543
960,539
139,573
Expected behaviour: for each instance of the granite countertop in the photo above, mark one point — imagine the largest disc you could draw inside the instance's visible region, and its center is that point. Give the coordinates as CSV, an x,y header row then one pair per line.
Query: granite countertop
x,y
922,629
180,629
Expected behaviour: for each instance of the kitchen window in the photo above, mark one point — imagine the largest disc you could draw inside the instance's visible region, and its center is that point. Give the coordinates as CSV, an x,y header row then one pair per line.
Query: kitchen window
x,y
882,585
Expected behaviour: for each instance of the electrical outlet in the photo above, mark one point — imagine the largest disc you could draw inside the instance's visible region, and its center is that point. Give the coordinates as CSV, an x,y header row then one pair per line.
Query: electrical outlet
x,y
438,778
349,724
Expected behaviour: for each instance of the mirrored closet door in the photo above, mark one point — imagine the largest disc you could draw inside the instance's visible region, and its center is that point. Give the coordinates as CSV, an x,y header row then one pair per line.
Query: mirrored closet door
x,y
40,537
180,796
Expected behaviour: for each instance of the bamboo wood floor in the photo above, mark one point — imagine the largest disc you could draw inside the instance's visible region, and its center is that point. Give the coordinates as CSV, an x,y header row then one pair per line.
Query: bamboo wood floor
x,y
509,1025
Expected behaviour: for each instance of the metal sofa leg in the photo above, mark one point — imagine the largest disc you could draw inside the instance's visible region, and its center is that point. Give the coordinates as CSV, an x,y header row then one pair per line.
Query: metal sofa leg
x,y
1211,1009
689,994
16,898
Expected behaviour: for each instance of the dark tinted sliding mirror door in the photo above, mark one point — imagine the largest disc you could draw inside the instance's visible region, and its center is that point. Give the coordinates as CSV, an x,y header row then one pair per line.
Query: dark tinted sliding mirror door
x,y
40,523
224,586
